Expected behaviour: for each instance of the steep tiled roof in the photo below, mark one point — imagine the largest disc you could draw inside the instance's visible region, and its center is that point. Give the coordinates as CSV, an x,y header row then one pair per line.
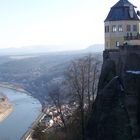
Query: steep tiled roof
x,y
120,11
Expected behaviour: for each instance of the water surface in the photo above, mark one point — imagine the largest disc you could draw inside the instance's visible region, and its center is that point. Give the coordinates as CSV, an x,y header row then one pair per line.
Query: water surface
x,y
25,110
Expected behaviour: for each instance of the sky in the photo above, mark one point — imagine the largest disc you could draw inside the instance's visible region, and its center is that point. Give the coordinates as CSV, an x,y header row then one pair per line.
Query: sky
x,y
73,24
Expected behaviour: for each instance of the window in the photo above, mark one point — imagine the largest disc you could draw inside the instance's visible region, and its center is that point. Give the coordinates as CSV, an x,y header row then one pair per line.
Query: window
x,y
120,29
106,29
114,28
117,44
135,28
128,28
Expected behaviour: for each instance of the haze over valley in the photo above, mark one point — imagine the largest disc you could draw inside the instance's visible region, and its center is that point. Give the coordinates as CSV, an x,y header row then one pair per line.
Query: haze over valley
x,y
33,71
47,49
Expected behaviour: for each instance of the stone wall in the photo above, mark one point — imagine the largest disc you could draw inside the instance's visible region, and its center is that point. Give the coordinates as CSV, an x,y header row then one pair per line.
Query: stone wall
x,y
120,58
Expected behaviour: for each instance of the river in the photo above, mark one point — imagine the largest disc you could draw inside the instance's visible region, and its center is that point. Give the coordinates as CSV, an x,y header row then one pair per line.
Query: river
x,y
25,111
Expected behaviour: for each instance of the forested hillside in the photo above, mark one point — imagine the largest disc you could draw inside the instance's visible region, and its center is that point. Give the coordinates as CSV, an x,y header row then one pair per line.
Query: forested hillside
x,y
33,72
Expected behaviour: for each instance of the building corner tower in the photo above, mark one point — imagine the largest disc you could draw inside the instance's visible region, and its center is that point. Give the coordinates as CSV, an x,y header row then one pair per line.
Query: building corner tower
x,y
122,25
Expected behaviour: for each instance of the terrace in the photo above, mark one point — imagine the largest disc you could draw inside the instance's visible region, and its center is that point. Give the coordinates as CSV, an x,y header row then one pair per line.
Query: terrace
x,y
132,37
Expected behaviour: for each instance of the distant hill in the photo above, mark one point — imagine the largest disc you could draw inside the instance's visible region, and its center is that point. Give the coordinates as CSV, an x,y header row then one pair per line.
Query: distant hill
x,y
29,50
95,48
34,71
47,49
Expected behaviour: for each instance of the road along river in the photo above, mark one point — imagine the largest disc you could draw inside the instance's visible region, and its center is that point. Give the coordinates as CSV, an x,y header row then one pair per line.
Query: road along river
x,y
26,109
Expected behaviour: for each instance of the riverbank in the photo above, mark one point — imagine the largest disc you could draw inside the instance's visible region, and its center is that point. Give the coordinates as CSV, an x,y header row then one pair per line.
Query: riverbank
x,y
28,134
5,109
12,86
26,109
5,114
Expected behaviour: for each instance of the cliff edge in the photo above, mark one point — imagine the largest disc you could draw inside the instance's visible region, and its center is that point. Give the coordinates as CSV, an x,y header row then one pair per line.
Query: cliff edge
x,y
116,110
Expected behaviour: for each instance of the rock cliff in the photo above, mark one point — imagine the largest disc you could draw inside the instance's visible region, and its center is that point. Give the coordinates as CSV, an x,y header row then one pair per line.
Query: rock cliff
x,y
116,111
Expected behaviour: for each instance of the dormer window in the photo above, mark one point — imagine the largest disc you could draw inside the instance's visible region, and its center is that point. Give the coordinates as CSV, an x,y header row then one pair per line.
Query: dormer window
x,y
114,28
120,29
131,11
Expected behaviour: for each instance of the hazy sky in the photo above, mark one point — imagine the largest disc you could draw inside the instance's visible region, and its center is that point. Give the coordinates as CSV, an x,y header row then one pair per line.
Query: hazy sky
x,y
71,23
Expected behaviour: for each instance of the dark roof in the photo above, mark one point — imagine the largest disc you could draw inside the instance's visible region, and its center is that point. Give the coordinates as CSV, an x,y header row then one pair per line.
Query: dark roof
x,y
120,11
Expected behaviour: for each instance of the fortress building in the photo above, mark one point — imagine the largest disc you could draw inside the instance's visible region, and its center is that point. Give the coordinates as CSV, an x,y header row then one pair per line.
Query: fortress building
x,y
122,25
116,110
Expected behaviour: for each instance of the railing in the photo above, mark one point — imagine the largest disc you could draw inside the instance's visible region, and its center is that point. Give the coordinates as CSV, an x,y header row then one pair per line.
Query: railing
x,y
131,37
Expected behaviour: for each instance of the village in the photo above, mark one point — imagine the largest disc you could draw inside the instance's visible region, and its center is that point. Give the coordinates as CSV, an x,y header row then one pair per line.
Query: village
x,y
52,118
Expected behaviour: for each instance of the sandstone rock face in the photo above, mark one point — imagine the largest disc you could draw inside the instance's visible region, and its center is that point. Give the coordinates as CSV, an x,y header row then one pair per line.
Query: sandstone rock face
x,y
109,119
108,72
116,110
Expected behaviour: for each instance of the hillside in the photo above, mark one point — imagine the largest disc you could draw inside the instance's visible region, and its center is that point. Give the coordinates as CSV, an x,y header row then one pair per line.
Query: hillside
x,y
48,49
33,72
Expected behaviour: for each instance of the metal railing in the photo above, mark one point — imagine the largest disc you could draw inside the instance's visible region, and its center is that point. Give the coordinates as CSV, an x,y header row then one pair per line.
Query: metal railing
x,y
132,37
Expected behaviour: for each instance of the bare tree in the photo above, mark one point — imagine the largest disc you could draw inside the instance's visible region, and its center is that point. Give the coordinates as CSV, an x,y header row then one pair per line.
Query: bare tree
x,y
92,76
54,92
82,79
